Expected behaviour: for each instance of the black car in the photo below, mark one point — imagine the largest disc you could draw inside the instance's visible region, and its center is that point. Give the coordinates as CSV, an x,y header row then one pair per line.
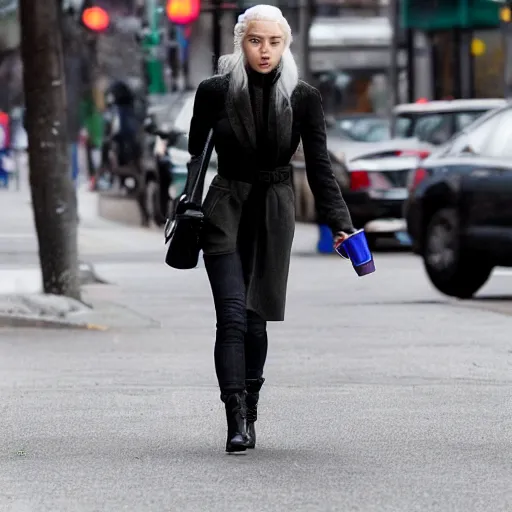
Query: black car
x,y
459,211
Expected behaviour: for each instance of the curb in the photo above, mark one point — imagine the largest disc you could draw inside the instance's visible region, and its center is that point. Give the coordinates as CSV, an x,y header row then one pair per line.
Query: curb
x,y
38,323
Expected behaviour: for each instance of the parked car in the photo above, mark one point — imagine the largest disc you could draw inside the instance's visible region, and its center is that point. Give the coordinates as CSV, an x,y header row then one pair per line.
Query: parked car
x,y
376,194
373,178
459,210
435,122
179,156
374,181
167,127
363,127
414,127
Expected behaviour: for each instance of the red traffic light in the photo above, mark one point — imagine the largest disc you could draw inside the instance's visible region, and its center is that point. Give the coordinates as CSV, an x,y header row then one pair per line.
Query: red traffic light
x,y
183,12
96,18
4,131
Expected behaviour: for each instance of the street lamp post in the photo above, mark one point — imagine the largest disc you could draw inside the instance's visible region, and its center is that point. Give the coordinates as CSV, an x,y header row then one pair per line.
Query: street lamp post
x,y
304,28
216,33
151,44
394,18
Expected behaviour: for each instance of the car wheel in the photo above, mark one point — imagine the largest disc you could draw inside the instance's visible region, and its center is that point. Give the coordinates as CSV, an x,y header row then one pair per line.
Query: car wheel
x,y
453,270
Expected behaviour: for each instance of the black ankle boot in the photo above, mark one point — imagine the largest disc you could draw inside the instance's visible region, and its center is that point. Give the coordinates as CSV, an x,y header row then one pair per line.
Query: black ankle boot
x,y
252,387
236,418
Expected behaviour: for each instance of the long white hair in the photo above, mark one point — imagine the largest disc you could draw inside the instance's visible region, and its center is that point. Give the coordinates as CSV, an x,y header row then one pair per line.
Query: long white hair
x,y
234,63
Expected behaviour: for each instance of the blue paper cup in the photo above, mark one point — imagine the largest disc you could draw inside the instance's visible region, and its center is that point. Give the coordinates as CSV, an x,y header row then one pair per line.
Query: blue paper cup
x,y
355,248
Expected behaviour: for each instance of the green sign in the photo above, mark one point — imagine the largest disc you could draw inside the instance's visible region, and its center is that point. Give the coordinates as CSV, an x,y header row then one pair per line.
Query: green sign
x,y
447,14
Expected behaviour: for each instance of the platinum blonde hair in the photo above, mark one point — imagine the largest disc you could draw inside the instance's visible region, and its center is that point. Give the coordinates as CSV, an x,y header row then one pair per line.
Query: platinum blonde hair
x,y
234,63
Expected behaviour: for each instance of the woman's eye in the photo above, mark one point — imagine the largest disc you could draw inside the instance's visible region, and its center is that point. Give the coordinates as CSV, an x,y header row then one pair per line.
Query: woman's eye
x,y
275,43
254,41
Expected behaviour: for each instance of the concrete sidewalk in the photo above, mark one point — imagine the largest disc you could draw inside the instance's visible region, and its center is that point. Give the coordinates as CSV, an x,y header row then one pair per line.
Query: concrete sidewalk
x,y
21,302
97,239
121,250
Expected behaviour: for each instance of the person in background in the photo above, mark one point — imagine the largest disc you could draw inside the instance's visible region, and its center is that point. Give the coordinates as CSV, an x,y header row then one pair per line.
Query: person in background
x,y
258,110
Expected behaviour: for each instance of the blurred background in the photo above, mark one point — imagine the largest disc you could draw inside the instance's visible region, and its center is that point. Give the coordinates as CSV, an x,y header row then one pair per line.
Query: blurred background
x,y
387,392
359,53
405,84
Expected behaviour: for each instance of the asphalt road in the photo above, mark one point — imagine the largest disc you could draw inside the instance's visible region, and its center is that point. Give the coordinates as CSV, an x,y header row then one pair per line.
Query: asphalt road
x,y
381,395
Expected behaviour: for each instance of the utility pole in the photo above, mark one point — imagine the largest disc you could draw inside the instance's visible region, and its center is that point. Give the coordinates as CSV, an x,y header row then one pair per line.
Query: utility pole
x,y
151,44
304,47
216,34
53,193
394,49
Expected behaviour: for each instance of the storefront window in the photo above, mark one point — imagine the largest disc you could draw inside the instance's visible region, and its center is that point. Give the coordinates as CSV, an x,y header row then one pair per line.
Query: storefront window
x,y
354,91
488,62
488,67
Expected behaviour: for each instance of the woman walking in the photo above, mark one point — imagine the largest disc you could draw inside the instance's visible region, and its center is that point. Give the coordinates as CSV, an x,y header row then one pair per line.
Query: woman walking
x,y
259,111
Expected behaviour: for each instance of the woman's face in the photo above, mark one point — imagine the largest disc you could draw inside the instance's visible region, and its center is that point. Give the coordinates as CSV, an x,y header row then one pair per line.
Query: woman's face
x,y
263,45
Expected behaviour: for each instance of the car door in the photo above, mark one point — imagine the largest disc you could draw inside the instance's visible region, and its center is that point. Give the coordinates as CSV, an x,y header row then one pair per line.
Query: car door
x,y
486,186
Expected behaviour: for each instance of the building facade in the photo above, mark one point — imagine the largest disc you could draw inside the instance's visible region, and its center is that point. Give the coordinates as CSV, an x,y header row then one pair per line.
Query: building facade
x,y
465,41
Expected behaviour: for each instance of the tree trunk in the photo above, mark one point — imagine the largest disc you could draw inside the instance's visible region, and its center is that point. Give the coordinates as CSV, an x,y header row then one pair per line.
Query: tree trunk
x,y
53,193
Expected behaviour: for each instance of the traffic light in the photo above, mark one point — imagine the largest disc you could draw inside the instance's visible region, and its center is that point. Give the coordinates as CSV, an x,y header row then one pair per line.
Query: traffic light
x,y
94,16
183,12
95,19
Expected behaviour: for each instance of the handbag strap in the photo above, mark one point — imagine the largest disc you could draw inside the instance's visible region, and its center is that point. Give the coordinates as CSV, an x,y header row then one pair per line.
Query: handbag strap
x,y
197,189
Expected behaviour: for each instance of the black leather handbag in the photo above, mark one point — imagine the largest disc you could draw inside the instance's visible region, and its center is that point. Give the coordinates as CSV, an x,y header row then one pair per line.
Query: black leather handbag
x,y
183,228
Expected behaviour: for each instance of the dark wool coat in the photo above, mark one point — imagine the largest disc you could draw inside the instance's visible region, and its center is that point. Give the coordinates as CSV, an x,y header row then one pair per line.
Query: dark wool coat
x,y
250,205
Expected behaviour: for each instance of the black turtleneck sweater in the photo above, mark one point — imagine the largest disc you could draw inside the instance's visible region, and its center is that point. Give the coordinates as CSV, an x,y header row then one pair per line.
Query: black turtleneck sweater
x,y
260,86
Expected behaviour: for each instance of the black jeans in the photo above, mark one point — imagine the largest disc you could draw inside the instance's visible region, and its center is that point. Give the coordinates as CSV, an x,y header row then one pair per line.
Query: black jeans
x,y
241,342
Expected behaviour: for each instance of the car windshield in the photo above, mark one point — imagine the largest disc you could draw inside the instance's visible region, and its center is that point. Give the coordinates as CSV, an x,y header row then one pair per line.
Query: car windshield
x,y
336,132
365,129
434,127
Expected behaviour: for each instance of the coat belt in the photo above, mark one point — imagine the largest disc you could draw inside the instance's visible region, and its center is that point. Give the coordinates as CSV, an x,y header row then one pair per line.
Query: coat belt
x,y
277,175
258,175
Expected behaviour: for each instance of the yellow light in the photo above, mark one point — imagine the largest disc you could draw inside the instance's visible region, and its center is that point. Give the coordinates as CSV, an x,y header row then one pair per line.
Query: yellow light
x,y
505,14
477,47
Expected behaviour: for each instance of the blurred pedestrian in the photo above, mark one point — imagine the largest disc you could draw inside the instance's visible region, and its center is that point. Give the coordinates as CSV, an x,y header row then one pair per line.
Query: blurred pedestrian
x,y
259,110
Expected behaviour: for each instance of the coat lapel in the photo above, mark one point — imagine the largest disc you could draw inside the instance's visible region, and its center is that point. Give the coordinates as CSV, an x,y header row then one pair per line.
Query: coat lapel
x,y
279,130
240,117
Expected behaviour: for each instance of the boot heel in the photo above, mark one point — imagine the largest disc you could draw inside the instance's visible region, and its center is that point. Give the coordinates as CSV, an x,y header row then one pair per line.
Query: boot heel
x,y
237,438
